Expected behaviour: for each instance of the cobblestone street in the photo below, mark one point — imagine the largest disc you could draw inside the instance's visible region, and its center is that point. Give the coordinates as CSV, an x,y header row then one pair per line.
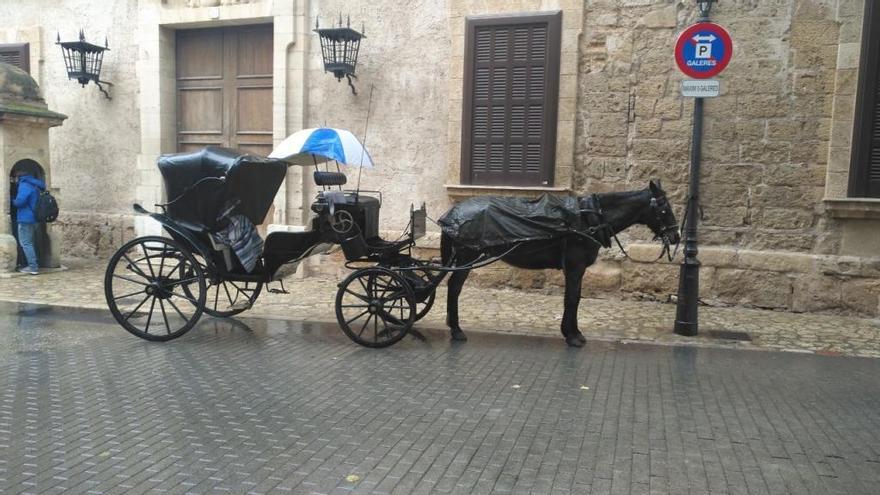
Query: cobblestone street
x,y
269,406
514,312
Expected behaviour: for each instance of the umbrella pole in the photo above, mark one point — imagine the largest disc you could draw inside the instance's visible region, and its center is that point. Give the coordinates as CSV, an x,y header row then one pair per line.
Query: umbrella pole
x,y
364,144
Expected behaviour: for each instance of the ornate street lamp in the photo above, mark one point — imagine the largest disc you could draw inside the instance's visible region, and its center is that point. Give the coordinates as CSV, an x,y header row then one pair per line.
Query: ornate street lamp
x,y
83,60
339,49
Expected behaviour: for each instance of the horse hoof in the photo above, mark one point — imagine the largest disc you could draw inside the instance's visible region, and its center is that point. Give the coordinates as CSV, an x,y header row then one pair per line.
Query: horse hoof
x,y
574,342
458,335
581,337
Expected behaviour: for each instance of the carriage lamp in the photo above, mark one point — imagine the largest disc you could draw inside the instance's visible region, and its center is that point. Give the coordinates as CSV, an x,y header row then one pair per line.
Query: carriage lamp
x,y
83,60
339,49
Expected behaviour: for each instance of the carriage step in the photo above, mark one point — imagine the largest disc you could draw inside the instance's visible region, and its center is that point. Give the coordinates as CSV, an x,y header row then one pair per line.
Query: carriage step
x,y
282,290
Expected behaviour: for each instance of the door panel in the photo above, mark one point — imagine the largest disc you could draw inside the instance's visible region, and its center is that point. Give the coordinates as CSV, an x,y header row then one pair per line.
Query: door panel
x,y
224,88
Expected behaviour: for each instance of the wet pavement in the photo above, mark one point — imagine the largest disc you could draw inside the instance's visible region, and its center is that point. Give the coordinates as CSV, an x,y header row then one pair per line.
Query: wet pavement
x,y
271,406
515,312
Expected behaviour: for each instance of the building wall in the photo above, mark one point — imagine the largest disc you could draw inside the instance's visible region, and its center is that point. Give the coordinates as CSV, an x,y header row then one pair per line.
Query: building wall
x,y
778,230
786,109
94,152
403,63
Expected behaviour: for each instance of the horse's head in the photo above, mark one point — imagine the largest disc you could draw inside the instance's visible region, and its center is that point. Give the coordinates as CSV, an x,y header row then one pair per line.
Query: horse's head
x,y
660,219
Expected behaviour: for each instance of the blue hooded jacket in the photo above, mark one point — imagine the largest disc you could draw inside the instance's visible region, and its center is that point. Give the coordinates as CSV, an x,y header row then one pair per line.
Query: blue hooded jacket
x,y
26,200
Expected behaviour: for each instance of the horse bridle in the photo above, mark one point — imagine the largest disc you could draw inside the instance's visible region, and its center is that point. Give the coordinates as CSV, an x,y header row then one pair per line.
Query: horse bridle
x,y
659,212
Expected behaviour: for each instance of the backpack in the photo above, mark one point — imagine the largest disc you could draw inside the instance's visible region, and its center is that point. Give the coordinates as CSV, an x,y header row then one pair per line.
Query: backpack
x,y
46,209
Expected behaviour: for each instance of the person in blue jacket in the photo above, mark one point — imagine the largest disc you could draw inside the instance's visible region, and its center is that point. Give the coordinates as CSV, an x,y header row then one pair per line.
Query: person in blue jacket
x,y
25,202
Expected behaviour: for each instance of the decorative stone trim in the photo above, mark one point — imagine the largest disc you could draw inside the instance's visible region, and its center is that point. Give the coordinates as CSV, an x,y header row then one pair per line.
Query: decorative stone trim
x,y
467,191
771,261
861,208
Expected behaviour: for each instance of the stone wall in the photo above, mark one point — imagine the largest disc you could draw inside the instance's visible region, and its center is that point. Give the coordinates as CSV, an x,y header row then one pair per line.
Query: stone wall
x,y
403,63
775,149
786,107
94,152
766,137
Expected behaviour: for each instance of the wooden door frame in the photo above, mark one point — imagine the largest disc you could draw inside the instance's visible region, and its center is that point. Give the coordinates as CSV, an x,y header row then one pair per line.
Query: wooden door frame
x,y
156,98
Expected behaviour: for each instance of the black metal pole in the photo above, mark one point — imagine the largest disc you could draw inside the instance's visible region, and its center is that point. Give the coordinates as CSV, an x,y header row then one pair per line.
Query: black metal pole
x,y
686,317
689,275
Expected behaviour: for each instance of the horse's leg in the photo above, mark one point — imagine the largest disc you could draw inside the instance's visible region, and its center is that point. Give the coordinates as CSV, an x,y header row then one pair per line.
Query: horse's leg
x,y
574,274
456,282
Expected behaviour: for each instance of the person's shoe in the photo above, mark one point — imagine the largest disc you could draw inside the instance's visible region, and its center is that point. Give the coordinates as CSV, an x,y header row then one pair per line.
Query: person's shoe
x,y
29,270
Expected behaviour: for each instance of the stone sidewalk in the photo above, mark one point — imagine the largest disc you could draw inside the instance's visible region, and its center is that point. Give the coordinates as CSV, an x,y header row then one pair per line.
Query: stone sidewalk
x,y
515,312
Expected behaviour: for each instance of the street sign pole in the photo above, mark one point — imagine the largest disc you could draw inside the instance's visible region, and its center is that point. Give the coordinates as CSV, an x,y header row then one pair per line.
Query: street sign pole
x,y
686,317
689,274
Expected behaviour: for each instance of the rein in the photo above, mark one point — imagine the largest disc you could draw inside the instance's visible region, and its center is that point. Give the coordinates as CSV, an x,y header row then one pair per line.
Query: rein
x,y
605,227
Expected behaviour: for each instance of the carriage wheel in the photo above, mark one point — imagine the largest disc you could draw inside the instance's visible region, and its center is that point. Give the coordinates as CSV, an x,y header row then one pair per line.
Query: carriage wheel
x,y
144,288
227,298
425,306
426,295
375,307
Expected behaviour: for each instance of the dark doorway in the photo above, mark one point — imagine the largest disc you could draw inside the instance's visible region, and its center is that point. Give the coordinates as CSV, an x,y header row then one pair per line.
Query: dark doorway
x,y
41,240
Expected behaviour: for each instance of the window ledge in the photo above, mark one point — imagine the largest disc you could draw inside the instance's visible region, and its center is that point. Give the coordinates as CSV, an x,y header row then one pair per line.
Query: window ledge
x,y
466,191
864,208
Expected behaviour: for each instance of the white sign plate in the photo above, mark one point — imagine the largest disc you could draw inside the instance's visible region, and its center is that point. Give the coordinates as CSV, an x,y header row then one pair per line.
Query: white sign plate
x,y
702,88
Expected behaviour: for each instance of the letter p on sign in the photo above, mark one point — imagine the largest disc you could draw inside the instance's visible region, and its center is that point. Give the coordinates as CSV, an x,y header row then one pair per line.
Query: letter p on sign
x,y
704,50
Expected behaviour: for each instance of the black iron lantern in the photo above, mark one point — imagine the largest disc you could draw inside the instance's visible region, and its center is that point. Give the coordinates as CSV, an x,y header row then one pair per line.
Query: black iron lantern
x,y
83,60
339,49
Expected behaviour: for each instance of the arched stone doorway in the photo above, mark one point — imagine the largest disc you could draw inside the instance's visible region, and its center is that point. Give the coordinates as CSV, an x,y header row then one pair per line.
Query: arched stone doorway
x,y
42,243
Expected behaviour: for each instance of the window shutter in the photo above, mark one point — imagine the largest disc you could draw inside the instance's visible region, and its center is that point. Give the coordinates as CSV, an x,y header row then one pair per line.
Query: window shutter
x,y
17,54
511,87
864,177
873,165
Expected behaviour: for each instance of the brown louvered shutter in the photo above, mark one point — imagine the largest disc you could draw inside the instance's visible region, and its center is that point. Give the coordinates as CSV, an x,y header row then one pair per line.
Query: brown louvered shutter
x,y
17,54
865,170
511,85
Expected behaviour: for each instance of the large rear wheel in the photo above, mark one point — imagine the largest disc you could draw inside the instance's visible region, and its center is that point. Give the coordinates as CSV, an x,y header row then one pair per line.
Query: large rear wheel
x,y
375,307
144,287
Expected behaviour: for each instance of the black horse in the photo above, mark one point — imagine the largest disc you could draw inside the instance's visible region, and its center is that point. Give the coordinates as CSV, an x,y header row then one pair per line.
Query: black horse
x,y
608,213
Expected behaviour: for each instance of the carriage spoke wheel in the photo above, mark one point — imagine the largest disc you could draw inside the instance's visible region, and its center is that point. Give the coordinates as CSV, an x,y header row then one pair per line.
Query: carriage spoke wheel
x,y
144,287
425,300
227,298
375,307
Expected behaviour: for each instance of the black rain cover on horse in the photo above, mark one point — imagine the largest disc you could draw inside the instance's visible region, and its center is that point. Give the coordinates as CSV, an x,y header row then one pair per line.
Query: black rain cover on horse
x,y
250,181
486,221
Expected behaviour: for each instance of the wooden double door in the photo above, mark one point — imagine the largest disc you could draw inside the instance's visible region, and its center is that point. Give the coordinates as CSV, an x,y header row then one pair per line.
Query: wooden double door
x,y
224,88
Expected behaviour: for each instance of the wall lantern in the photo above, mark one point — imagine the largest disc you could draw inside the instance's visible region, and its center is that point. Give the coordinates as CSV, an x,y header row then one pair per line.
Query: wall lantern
x,y
339,48
83,61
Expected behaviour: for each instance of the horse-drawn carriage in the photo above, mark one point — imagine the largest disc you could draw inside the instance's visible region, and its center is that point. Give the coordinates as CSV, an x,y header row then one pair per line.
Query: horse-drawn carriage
x,y
213,261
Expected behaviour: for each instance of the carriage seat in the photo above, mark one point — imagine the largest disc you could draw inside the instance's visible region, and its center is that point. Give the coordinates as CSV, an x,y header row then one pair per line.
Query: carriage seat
x,y
329,178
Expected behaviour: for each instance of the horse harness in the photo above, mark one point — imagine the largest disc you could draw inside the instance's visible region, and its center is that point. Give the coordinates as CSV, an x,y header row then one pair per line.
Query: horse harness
x,y
601,232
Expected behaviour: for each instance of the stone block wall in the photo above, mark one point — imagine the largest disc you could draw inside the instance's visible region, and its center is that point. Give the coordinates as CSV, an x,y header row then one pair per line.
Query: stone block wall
x,y
766,138
93,235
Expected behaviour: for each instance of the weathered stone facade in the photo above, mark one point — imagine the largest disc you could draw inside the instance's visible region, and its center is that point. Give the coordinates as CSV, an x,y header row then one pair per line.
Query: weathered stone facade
x,y
778,229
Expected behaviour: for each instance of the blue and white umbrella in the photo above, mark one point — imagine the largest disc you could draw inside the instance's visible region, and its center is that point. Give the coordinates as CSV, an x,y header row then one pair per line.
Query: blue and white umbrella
x,y
323,144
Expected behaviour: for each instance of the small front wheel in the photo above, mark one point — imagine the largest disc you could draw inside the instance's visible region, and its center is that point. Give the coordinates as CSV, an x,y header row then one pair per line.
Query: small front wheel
x,y
375,307
144,287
